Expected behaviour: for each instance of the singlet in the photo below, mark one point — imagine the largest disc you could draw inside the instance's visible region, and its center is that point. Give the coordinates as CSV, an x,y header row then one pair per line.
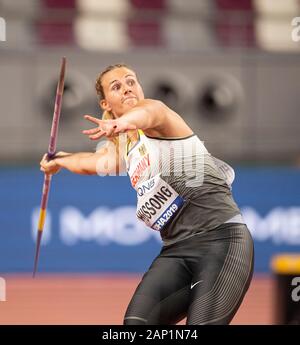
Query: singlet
x,y
182,190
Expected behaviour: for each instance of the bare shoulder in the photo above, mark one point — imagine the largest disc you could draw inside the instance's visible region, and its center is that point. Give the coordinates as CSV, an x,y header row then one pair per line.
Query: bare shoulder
x,y
171,124
152,105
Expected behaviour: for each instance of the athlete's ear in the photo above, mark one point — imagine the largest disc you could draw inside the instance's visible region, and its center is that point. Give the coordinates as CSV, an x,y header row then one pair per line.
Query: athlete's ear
x,y
105,105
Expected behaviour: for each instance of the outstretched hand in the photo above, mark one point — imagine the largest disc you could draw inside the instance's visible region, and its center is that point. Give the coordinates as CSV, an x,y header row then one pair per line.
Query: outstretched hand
x,y
107,128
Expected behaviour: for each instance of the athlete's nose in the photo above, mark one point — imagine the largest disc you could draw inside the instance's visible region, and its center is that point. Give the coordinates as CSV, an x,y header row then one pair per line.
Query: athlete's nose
x,y
127,90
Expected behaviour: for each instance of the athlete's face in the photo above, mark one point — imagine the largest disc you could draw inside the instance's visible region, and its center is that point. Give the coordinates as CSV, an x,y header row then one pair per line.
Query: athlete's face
x,y
122,91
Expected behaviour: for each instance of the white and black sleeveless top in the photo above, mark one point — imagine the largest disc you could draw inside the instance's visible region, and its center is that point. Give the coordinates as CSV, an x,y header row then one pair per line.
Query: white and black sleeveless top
x,y
181,189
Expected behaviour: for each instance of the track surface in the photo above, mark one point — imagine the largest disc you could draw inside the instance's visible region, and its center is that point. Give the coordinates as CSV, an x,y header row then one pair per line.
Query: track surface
x,y
101,299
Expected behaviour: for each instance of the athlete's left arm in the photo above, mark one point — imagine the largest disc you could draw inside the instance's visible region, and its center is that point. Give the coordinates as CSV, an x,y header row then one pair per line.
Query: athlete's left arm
x,y
147,114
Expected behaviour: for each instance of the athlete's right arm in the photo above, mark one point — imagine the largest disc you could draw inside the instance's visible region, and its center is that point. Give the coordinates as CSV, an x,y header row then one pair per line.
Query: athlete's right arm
x,y
105,161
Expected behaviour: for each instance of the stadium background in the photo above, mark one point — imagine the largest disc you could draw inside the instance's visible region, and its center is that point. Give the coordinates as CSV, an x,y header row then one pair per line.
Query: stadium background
x,y
231,68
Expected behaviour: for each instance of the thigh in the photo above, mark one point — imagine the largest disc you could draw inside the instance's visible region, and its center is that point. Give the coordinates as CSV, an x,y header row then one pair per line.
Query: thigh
x,y
162,295
221,279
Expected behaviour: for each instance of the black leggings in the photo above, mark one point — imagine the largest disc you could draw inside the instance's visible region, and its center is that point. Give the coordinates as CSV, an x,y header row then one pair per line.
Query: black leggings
x,y
203,278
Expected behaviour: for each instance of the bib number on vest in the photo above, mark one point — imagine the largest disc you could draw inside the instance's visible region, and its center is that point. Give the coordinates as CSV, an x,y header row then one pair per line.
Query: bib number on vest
x,y
158,202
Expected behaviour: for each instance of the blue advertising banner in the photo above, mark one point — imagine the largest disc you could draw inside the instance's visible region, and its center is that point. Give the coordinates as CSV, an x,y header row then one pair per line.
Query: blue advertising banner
x,y
91,224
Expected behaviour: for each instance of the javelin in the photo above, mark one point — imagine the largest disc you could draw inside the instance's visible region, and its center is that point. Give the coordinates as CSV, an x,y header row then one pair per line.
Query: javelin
x,y
51,153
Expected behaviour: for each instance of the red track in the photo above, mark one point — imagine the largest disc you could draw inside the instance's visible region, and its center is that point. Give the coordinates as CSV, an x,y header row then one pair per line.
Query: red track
x,y
100,299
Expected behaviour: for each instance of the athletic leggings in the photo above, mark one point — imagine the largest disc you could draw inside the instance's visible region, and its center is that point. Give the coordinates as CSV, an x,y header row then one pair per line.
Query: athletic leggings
x,y
203,278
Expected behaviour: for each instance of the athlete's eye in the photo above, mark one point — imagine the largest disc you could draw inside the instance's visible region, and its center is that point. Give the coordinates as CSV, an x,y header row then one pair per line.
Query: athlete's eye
x,y
116,87
130,82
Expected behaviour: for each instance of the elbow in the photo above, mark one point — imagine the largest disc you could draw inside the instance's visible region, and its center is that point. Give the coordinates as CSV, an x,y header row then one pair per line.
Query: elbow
x,y
88,172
